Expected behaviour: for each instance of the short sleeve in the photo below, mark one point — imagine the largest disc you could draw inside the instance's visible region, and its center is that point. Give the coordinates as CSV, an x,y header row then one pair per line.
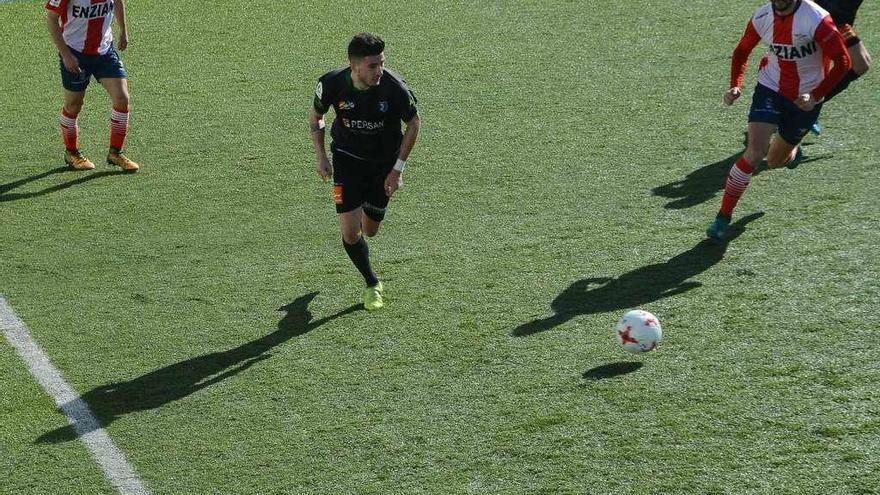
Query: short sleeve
x,y
323,99
406,102
57,6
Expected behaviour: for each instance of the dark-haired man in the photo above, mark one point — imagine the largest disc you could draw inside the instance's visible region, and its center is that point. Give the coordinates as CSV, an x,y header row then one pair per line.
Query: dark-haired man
x,y
792,82
369,149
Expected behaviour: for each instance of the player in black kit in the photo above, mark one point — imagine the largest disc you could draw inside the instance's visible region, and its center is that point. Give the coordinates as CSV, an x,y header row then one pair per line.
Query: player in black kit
x,y
369,149
843,12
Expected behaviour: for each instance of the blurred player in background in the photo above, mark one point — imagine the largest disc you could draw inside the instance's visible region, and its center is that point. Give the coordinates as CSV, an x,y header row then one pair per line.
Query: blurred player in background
x,y
369,150
80,30
792,82
843,12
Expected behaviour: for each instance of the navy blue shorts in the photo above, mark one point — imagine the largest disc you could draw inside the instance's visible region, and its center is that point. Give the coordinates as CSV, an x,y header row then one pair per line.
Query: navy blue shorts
x,y
107,65
360,183
792,123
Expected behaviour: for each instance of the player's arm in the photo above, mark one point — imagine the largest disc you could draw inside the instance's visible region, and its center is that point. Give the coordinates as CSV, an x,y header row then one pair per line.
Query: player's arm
x,y
121,22
833,47
53,22
409,137
740,61
394,179
316,130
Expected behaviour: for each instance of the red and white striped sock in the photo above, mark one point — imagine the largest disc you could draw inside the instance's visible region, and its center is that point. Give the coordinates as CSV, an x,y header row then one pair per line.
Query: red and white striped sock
x,y
118,128
737,181
69,130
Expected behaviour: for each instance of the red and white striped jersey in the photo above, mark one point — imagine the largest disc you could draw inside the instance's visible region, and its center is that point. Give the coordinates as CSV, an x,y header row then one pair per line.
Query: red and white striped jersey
x,y
85,24
801,46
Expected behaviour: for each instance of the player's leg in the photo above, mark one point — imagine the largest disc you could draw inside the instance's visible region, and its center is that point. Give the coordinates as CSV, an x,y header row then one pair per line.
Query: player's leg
x,y
117,88
74,95
73,103
348,191
375,202
763,118
359,253
110,72
782,153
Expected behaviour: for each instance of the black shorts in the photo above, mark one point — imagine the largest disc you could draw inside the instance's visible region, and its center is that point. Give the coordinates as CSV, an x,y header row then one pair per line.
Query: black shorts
x,y
103,66
360,183
843,12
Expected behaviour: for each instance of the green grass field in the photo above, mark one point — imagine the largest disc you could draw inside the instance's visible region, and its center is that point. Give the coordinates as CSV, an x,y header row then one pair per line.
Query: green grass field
x,y
571,156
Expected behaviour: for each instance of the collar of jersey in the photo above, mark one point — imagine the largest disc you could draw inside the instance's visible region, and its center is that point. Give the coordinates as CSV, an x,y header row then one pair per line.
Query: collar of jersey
x,y
351,83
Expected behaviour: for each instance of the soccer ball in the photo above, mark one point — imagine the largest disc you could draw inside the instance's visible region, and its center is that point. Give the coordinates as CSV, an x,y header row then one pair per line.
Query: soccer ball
x,y
638,331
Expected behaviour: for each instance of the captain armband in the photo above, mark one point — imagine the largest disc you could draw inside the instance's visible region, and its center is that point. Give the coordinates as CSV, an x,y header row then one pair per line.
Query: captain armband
x,y
317,127
399,165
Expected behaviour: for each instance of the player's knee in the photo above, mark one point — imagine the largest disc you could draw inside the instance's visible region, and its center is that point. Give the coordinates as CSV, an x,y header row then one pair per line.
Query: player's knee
x,y
351,238
371,231
753,156
121,103
73,107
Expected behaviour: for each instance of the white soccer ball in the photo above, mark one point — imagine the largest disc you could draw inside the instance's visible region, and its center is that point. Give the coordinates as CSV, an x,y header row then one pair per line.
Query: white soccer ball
x,y
638,331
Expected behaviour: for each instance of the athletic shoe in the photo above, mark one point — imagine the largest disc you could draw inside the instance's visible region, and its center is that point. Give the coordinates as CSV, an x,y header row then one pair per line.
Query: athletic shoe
x,y
117,158
718,228
795,160
373,297
816,128
76,160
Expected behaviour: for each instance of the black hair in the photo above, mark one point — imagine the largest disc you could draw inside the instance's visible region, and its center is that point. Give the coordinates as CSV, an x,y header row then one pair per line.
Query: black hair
x,y
365,45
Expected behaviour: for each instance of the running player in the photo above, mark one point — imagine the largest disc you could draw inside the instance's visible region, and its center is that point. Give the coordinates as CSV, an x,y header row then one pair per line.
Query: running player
x,y
369,150
793,79
80,30
843,12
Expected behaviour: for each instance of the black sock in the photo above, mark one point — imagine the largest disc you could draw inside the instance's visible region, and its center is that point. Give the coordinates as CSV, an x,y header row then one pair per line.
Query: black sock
x,y
359,253
848,78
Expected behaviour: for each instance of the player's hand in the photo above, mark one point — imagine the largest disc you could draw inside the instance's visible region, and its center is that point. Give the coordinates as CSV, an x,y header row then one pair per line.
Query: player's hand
x,y
393,182
324,169
122,42
731,95
806,102
70,63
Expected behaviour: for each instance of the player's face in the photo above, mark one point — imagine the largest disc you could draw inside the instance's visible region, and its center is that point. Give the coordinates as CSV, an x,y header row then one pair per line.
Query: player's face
x,y
369,70
782,5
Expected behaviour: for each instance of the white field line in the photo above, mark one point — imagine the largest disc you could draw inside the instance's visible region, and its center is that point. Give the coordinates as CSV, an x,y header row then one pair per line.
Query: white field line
x,y
117,469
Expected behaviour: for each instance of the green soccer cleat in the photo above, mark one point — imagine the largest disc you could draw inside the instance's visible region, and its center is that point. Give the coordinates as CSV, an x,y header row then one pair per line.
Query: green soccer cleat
x,y
718,228
373,297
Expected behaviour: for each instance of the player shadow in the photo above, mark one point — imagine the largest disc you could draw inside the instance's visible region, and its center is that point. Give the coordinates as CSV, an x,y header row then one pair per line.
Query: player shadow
x,y
5,195
611,370
638,287
705,182
176,381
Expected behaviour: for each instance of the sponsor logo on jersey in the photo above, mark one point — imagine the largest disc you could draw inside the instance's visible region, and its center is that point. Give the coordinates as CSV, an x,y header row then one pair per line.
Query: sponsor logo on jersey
x,y
367,125
345,105
91,11
791,52
383,106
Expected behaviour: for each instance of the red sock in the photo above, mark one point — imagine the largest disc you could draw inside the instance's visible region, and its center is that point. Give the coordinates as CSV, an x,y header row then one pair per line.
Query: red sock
x,y
118,128
737,182
69,130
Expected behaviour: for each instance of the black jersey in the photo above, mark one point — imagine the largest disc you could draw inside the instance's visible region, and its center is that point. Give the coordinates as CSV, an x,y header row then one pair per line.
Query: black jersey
x,y
842,11
368,122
